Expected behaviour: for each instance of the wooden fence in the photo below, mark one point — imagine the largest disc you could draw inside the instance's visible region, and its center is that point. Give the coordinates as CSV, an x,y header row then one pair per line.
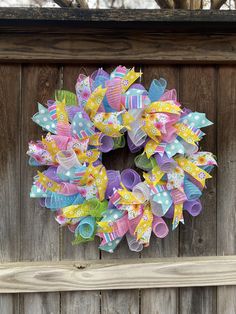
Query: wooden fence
x,y
41,50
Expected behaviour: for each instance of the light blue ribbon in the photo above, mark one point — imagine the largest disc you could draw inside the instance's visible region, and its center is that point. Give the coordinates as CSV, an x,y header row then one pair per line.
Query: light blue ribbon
x,y
157,89
42,118
81,127
56,201
164,199
86,227
191,190
197,120
110,246
174,148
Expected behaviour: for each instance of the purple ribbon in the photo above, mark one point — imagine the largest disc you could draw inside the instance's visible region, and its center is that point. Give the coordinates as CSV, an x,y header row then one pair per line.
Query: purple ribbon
x,y
159,227
107,143
170,213
193,207
51,173
130,178
165,163
114,180
133,244
132,147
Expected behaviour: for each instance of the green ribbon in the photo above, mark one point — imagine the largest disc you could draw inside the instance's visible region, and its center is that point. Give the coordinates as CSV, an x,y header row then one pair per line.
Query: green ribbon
x,y
142,162
97,208
69,97
119,142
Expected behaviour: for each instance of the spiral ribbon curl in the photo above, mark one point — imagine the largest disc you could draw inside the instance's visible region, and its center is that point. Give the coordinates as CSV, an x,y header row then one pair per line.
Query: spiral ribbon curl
x,y
93,201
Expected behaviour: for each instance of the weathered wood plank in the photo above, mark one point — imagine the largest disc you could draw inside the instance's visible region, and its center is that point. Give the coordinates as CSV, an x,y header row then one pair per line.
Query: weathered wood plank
x,y
118,18
226,183
198,93
117,274
39,230
83,301
107,46
161,300
118,301
10,103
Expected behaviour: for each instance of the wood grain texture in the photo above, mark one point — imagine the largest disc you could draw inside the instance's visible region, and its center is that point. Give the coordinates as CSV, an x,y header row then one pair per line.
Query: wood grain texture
x,y
117,274
107,46
39,230
164,301
226,184
10,103
118,301
117,18
83,301
198,235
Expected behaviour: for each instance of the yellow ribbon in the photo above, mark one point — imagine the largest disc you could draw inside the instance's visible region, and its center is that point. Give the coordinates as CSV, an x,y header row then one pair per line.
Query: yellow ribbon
x,y
76,211
95,101
89,156
178,215
163,106
129,79
101,182
186,133
47,183
62,115
144,227
104,227
153,177
50,145
151,130
112,130
94,139
127,197
150,148
197,173
99,176
127,120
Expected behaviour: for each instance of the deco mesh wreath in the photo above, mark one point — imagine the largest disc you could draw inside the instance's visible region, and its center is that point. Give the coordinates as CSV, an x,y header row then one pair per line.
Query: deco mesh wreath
x,y
93,201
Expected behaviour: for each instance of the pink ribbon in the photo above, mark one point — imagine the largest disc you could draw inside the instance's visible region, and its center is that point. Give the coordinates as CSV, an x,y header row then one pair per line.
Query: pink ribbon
x,y
113,93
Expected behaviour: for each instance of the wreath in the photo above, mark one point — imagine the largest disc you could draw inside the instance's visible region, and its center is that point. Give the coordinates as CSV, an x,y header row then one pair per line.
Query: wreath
x,y
106,111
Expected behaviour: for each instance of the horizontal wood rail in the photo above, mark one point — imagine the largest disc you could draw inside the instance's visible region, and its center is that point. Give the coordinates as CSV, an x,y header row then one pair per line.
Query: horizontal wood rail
x,y
105,36
117,274
122,18
108,47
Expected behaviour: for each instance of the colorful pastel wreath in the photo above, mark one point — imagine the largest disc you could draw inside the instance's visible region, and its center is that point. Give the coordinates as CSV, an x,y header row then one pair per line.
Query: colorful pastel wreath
x,y
93,201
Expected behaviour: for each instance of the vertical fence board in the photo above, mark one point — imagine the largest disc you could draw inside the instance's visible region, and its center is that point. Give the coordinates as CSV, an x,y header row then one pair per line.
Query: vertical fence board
x,y
10,103
119,301
164,301
39,231
226,183
83,301
198,235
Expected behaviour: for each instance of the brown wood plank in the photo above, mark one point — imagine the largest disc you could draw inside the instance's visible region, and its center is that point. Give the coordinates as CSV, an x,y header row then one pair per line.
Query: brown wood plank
x,y
116,274
83,301
114,15
198,235
39,230
118,301
107,46
226,178
10,103
161,300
